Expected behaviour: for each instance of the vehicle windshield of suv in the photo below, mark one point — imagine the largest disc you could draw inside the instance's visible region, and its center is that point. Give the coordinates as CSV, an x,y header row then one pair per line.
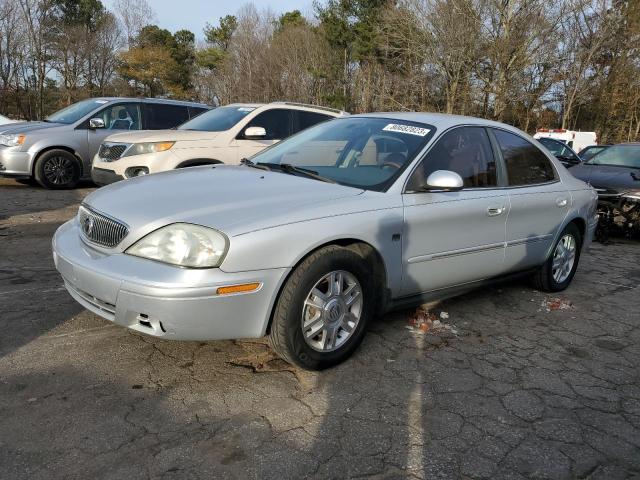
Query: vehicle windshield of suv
x,y
592,151
618,156
217,120
75,112
360,152
556,147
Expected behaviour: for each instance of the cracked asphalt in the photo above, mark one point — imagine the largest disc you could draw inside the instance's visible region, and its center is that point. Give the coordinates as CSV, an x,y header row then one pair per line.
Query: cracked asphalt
x,y
518,392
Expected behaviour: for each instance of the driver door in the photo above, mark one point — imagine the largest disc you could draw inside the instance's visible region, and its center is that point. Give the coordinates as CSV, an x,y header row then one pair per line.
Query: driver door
x,y
118,118
277,123
452,238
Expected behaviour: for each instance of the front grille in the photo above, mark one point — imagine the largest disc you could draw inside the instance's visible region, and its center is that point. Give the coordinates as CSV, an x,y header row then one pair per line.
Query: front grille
x,y
111,151
100,229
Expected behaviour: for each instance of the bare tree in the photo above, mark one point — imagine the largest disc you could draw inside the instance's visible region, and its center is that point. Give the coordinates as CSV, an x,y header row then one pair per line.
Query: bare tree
x,y
134,15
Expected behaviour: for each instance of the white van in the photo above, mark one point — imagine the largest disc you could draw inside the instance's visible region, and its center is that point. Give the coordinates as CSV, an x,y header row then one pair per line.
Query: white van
x,y
575,139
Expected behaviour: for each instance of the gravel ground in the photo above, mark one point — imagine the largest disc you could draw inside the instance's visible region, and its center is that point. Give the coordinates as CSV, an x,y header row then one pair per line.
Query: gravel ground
x,y
516,384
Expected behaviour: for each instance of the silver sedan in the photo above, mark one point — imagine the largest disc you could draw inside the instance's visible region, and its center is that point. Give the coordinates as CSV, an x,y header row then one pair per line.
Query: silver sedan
x,y
312,238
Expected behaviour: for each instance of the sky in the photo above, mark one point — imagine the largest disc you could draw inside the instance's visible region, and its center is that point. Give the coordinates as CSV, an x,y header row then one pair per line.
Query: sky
x,y
194,14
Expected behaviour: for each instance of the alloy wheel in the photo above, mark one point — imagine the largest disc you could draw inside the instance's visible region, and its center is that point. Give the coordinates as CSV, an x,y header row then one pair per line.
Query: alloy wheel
x,y
332,311
564,256
58,170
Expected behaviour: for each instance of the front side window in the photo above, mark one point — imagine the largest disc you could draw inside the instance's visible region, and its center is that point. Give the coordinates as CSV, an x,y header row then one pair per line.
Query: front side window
x,y
161,117
276,122
122,116
367,153
464,150
525,163
75,112
618,156
217,120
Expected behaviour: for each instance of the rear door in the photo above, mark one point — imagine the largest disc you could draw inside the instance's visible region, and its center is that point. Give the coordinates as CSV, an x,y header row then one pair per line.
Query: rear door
x,y
452,238
539,201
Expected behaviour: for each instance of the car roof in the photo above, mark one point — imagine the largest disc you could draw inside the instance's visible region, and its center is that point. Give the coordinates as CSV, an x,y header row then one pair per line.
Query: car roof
x,y
293,106
165,101
440,120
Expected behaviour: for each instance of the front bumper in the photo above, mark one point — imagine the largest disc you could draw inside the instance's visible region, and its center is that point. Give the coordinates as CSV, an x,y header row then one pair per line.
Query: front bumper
x,y
162,300
15,163
101,176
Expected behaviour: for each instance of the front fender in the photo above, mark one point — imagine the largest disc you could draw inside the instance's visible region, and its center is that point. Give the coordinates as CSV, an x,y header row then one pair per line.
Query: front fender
x,y
285,246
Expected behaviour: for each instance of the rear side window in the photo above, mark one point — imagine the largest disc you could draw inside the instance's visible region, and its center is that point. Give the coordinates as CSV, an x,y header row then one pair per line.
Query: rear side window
x,y
309,119
161,117
276,122
526,165
464,150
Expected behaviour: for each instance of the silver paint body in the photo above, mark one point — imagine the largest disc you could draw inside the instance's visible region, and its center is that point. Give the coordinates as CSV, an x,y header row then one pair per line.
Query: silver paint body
x,y
427,241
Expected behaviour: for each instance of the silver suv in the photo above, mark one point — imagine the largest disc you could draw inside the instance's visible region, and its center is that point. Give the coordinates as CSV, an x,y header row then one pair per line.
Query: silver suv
x,y
58,151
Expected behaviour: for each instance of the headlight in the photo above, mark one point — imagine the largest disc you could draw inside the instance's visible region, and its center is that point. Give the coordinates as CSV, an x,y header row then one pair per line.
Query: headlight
x,y
12,140
183,244
151,147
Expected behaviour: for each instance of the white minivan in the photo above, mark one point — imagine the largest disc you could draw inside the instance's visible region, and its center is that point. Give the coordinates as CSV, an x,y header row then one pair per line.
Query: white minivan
x,y
223,135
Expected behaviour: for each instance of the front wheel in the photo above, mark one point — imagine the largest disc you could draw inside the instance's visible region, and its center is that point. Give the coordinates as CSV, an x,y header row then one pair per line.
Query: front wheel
x,y
57,169
559,269
323,309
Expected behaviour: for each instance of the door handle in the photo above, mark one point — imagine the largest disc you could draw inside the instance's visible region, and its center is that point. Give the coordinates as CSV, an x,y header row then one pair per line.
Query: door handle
x,y
561,202
495,211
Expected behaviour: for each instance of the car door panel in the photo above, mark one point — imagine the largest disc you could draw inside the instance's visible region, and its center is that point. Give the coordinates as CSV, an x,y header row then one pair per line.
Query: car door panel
x,y
453,238
533,222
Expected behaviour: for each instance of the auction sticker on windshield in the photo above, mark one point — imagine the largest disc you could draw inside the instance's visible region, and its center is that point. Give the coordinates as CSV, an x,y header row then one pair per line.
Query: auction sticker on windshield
x,y
410,129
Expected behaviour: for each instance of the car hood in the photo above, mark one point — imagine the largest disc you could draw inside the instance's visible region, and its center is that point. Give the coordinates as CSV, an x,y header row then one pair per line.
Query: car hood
x,y
161,136
232,199
26,127
608,178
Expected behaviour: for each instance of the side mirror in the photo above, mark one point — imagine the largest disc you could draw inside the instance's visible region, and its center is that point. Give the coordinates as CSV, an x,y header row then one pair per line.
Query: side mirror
x,y
255,132
96,123
445,180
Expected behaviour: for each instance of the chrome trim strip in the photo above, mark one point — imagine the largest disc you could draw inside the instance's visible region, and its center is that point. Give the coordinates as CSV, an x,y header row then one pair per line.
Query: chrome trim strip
x,y
455,253
522,241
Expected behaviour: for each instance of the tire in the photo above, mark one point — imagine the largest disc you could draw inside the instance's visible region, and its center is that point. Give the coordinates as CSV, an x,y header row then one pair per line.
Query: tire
x,y
545,278
57,170
292,310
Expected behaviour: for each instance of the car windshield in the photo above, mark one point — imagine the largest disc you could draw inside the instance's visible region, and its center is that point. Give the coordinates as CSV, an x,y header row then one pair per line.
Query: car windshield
x,y
75,112
556,147
217,120
362,152
590,152
618,156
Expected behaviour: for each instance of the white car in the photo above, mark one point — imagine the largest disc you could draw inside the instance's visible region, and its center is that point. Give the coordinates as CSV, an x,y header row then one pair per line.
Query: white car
x,y
4,120
223,135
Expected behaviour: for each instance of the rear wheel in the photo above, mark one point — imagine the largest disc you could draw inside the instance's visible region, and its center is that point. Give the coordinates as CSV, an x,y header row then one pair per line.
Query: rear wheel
x,y
57,169
323,310
559,269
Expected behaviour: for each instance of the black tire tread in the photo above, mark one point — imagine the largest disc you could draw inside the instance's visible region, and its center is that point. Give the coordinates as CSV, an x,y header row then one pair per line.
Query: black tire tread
x,y
541,280
39,174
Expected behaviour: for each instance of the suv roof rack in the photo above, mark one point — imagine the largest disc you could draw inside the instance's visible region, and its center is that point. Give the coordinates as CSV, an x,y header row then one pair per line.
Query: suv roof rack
x,y
308,105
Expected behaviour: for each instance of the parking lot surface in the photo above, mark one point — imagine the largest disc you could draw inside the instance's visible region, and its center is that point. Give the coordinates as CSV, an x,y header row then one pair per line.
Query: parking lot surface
x,y
514,384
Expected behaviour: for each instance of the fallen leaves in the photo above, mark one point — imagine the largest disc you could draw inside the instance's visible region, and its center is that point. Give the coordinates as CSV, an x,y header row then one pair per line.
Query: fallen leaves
x,y
555,304
423,321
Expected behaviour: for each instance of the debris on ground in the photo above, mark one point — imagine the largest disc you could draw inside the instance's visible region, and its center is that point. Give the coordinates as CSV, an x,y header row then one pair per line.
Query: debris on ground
x,y
554,304
424,321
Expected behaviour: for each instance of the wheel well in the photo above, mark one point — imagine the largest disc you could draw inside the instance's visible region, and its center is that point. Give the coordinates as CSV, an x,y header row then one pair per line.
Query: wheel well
x,y
582,226
48,149
368,254
197,162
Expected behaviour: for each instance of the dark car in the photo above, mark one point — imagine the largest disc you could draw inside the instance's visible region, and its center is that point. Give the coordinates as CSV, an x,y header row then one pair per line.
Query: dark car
x,y
615,174
588,152
561,151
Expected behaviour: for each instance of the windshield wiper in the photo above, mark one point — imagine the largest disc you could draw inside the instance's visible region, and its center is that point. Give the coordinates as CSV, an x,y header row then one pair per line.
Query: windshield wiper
x,y
249,163
292,169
